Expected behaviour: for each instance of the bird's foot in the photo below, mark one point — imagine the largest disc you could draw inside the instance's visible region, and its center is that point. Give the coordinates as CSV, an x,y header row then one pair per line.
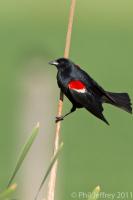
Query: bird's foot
x,y
59,119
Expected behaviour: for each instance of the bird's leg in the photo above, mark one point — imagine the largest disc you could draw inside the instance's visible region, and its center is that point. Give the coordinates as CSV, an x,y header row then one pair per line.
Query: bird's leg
x,y
62,117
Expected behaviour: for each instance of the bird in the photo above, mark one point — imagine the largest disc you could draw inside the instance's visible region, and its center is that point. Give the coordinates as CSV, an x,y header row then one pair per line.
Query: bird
x,y
84,92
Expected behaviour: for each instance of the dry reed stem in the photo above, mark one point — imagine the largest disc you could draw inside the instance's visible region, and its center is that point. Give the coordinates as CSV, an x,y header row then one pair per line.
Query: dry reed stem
x,y
52,180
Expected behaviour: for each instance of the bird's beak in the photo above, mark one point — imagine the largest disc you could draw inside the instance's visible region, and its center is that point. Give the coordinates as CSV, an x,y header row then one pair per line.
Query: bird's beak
x,y
54,62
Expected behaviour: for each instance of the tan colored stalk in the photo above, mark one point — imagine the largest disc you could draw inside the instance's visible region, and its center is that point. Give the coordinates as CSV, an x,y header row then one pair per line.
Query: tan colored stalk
x,y
52,180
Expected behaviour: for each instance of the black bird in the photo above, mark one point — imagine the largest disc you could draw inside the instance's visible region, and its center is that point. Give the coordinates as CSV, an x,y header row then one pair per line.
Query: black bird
x,y
84,92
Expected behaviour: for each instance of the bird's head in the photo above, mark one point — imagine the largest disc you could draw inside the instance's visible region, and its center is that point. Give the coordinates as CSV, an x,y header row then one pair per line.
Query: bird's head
x,y
61,63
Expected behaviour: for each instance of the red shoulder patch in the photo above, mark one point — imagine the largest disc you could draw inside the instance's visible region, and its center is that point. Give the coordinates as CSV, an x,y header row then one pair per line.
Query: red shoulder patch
x,y
76,85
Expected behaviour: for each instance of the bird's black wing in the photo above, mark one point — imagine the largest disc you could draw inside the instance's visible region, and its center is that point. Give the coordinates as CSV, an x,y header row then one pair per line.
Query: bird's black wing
x,y
94,86
88,101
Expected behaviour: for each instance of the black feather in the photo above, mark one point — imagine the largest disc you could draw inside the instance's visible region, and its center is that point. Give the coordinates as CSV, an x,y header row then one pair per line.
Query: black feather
x,y
121,100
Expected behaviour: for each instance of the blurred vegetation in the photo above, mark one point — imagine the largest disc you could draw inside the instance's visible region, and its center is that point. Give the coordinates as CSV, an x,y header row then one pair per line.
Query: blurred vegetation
x,y
102,43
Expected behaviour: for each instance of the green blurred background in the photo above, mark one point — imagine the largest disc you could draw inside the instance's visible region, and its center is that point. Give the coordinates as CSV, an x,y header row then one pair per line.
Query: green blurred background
x,y
31,34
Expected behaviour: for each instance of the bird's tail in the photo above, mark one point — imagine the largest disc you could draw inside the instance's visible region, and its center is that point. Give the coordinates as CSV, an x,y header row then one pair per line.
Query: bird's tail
x,y
121,100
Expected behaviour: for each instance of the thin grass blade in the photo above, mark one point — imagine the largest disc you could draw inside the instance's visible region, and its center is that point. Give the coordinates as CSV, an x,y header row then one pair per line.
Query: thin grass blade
x,y
7,192
24,152
95,194
53,160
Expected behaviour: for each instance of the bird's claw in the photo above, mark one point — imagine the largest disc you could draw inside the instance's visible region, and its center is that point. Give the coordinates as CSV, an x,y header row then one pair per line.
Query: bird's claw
x,y
58,119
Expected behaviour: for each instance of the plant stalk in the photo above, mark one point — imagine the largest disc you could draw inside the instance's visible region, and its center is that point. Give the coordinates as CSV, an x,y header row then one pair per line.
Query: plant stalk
x,y
53,174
